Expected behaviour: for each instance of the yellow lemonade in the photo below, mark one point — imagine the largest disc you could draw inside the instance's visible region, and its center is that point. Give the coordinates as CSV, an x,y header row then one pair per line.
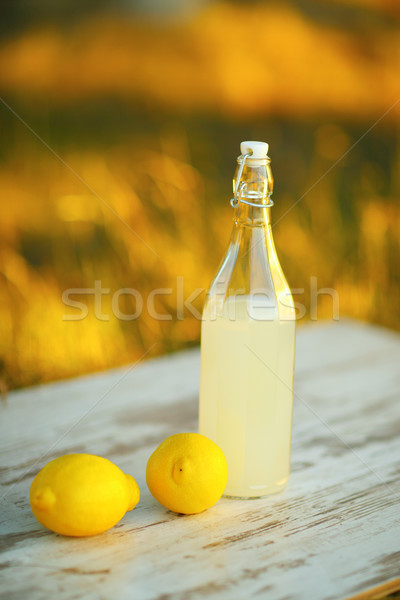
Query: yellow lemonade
x,y
246,397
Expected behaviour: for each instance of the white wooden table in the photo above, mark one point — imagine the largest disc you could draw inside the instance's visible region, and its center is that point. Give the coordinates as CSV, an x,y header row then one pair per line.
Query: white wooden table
x,y
333,533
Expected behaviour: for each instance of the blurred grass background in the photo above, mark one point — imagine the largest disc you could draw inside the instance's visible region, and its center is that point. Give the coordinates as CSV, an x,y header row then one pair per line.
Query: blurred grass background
x,y
146,103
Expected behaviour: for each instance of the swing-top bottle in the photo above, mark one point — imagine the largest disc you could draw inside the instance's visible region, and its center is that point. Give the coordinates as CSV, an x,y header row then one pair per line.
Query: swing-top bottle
x,y
248,342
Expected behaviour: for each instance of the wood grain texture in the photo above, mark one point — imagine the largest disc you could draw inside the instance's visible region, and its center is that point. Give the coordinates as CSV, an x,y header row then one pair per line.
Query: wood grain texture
x,y
333,533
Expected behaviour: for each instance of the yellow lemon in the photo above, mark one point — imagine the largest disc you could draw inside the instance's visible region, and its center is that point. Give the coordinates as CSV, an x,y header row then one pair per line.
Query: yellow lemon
x,y
187,473
82,494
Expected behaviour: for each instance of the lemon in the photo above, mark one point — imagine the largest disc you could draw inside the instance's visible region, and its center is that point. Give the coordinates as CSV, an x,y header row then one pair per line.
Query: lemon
x,y
187,473
82,494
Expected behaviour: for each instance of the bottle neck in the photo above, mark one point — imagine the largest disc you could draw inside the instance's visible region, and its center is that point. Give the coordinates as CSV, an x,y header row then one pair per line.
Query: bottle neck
x,y
253,193
250,216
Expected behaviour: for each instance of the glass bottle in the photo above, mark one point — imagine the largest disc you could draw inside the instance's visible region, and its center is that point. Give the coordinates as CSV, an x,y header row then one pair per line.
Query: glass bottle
x,y
248,342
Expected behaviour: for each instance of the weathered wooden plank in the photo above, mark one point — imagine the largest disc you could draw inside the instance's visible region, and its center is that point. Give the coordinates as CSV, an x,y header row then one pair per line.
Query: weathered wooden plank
x,y
333,533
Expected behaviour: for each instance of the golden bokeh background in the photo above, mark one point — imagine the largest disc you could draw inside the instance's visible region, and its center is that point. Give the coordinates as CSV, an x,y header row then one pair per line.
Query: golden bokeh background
x,y
119,134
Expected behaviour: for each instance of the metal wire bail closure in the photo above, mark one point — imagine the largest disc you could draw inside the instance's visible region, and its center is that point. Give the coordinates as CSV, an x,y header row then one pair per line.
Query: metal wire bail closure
x,y
240,186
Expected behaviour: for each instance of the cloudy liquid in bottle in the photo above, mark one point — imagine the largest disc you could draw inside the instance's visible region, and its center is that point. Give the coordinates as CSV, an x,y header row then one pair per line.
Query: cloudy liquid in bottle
x,y
246,394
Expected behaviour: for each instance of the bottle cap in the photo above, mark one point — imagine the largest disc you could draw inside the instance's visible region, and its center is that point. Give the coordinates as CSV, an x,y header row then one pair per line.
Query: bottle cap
x,y
258,150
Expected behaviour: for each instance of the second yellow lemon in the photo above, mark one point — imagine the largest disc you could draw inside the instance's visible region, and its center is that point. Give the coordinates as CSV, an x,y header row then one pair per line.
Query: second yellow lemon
x,y
187,473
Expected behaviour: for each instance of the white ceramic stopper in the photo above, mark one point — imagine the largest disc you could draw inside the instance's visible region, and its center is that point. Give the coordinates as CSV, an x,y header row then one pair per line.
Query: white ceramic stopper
x,y
256,149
